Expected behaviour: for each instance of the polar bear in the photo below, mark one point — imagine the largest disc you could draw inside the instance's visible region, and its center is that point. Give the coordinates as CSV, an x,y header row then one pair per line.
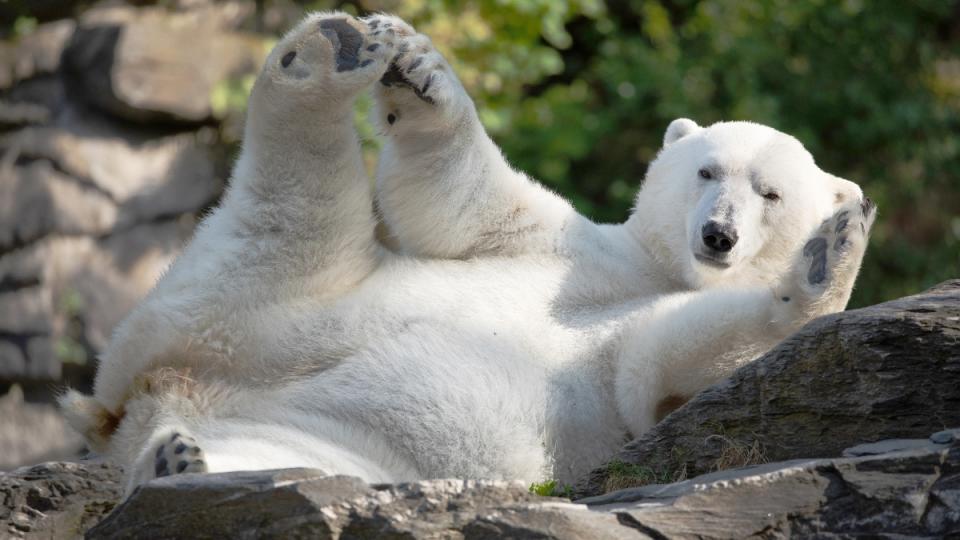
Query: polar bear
x,y
503,335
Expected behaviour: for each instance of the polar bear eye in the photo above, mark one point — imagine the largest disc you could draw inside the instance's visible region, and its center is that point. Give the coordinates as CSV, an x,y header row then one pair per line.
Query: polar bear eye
x,y
287,58
771,196
705,174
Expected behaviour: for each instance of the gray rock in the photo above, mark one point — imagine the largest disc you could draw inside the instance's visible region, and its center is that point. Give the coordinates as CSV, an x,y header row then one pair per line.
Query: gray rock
x,y
891,445
56,500
908,493
121,61
35,54
946,436
304,503
91,212
63,295
134,175
912,492
15,115
33,432
884,372
36,200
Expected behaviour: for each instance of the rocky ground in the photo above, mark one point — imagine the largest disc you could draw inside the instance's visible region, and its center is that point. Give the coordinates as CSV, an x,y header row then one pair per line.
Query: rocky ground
x,y
902,488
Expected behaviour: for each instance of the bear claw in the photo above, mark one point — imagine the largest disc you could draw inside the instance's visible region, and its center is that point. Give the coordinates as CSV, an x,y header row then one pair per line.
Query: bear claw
x,y
416,62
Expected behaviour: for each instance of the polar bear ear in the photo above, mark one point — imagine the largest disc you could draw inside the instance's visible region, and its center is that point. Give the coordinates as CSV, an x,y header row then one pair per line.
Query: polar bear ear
x,y
678,129
844,190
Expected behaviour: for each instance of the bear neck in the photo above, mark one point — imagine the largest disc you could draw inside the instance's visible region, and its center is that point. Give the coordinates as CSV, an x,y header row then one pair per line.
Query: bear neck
x,y
644,228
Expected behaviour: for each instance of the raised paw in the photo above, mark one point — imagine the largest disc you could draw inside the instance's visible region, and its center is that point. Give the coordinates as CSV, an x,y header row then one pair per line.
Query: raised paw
x,y
827,266
334,51
178,454
417,71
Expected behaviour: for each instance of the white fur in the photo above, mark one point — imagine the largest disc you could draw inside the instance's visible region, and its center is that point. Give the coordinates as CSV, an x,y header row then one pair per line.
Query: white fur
x,y
509,337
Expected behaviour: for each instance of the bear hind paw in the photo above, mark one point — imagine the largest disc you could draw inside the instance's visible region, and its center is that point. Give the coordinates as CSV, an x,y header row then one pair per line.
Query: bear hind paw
x,y
178,454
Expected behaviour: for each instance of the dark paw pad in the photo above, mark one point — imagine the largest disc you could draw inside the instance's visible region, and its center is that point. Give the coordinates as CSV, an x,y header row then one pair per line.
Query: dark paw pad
x,y
346,41
817,250
160,467
842,221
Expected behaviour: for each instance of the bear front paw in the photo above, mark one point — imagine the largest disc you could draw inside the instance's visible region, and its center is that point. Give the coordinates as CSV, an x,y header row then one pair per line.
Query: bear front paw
x,y
416,69
827,265
839,240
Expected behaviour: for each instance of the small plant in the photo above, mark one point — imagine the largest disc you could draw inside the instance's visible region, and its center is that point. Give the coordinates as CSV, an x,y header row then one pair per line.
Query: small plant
x,y
550,488
24,26
68,347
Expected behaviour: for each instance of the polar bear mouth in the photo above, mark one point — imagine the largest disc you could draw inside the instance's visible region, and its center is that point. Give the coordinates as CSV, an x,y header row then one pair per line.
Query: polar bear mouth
x,y
710,261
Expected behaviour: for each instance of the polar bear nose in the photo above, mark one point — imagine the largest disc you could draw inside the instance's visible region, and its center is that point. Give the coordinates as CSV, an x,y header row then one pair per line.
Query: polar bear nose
x,y
718,237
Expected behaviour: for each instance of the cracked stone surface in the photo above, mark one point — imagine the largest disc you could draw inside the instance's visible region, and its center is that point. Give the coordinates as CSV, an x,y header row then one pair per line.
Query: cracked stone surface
x,y
910,492
888,371
913,492
56,500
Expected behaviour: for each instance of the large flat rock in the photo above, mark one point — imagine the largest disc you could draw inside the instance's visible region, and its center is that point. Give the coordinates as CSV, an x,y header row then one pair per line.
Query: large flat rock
x,y
883,372
121,61
296,503
913,491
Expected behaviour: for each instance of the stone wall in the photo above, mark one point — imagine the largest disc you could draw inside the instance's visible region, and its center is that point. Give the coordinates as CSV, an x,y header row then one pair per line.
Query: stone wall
x,y
111,147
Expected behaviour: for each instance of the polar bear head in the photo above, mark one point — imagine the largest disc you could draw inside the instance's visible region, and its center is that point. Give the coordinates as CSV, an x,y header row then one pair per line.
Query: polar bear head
x,y
733,202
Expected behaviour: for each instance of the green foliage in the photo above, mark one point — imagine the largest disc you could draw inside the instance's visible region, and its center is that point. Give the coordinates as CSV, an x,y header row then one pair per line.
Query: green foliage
x,y
229,96
23,26
579,92
550,488
68,347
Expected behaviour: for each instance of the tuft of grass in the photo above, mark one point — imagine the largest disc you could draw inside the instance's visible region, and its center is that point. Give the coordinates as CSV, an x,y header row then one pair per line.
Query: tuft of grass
x,y
621,475
551,488
734,453
731,452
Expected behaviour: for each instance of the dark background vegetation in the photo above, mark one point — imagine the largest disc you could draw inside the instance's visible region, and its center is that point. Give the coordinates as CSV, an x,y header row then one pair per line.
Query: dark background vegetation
x,y
579,92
